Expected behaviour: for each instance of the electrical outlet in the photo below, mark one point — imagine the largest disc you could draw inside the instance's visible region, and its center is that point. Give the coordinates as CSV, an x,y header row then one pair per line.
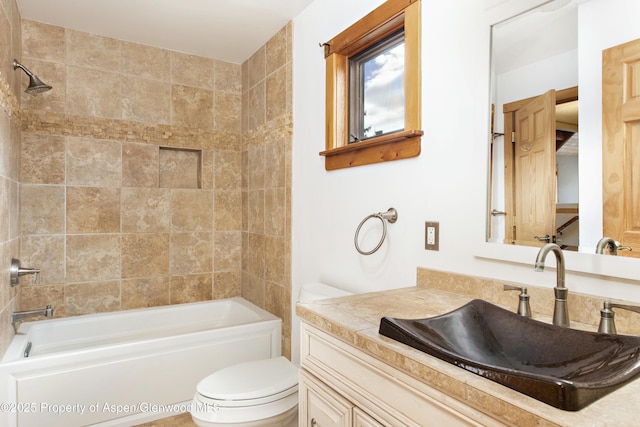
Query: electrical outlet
x,y
432,236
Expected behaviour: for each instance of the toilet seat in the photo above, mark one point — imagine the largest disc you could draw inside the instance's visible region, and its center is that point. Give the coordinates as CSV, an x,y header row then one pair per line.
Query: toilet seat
x,y
251,383
248,391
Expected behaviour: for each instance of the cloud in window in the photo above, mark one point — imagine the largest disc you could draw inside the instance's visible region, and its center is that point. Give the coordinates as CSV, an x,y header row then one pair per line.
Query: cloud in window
x,y
384,92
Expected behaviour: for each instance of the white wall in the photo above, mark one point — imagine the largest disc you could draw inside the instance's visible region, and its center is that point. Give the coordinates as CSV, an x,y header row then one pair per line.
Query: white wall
x,y
446,183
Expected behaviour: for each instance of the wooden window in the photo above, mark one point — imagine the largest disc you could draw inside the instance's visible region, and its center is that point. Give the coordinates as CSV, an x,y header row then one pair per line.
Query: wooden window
x,y
345,148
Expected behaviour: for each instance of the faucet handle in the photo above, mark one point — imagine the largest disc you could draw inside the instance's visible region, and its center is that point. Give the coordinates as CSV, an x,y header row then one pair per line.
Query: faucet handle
x,y
524,309
607,324
16,271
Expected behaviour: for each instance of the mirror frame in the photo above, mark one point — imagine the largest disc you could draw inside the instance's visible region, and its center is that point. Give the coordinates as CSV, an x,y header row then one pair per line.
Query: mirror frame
x,y
498,11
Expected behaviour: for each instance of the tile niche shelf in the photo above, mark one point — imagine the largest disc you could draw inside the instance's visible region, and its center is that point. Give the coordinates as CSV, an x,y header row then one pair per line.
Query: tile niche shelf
x,y
180,168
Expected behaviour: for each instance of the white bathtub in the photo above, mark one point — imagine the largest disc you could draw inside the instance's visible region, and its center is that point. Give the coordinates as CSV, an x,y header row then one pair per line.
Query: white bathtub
x,y
127,367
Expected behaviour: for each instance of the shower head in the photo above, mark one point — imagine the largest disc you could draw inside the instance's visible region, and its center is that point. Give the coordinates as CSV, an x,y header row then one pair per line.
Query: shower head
x,y
35,84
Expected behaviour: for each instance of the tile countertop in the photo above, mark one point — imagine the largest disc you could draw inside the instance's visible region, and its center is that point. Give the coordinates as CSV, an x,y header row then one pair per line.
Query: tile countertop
x,y
355,320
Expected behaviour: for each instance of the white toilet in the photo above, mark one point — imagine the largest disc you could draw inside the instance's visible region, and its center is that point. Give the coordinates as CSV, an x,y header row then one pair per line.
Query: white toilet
x,y
261,393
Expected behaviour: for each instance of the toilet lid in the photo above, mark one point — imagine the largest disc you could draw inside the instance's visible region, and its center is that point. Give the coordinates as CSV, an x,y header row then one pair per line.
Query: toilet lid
x,y
250,380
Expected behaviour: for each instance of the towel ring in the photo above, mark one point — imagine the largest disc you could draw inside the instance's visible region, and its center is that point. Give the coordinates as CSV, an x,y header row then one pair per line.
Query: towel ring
x,y
391,215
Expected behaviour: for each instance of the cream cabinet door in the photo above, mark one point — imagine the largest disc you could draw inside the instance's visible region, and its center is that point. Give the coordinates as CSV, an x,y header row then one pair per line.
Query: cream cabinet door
x,y
362,419
321,406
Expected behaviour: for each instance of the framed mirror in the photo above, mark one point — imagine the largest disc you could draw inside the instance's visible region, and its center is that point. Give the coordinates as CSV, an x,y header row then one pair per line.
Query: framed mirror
x,y
553,46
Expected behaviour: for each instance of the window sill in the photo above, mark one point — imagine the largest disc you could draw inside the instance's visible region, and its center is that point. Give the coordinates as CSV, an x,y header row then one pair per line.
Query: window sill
x,y
395,146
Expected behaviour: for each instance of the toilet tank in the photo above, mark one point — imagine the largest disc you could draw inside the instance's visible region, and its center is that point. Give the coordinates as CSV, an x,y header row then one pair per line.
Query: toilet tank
x,y
317,291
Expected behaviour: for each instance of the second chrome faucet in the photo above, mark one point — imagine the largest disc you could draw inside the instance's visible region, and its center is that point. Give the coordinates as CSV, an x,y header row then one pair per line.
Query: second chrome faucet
x,y
560,308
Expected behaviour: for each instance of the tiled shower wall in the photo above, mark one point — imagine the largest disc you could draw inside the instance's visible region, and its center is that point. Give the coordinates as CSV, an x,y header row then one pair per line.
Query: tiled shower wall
x,y
107,214
146,175
9,162
266,178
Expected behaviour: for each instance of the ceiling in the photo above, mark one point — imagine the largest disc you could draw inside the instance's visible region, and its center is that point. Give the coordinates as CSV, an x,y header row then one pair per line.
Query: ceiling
x,y
229,30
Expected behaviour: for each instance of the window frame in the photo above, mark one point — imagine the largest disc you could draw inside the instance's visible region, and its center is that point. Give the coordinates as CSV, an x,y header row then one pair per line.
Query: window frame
x,y
389,18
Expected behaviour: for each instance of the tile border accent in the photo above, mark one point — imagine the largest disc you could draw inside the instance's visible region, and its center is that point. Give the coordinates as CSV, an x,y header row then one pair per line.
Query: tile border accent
x,y
126,130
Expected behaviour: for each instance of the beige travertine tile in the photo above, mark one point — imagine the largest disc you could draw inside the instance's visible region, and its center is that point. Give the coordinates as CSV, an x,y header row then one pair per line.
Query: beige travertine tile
x,y
38,297
275,254
5,208
8,250
276,94
93,93
92,257
274,156
227,255
253,289
42,159
145,210
5,44
43,41
191,70
245,106
139,165
207,173
145,292
145,255
191,107
93,210
227,77
16,34
93,51
278,302
42,209
228,170
191,253
245,170
94,162
191,210
256,107
179,168
274,204
191,288
255,254
287,262
46,253
53,74
146,61
88,298
145,100
256,211
226,284
227,112
256,67
245,210
276,50
228,205
256,168
9,160
244,75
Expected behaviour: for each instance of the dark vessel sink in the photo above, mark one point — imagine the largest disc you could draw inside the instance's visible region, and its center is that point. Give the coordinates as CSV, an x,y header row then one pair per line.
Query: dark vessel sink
x,y
563,367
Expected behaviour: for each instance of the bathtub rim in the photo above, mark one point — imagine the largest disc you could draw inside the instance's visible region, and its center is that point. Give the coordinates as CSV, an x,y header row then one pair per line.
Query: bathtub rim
x,y
15,351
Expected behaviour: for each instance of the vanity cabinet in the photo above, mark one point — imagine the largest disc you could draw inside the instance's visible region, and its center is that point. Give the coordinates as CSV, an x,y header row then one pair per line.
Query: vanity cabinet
x,y
321,406
341,386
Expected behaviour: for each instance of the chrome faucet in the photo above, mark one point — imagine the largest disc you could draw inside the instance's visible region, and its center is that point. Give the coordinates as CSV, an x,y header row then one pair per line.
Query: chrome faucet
x,y
560,309
19,316
612,245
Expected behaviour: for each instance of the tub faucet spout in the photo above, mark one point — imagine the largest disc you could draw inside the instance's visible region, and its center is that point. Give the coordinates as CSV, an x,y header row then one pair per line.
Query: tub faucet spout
x,y
560,308
19,316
